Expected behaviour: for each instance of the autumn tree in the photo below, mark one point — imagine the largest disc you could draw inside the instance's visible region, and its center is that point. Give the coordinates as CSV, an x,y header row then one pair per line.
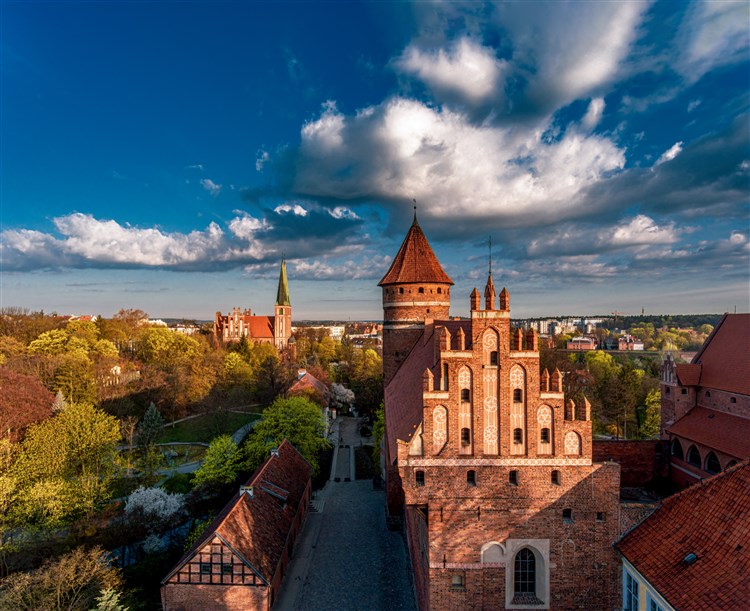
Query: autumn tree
x,y
23,401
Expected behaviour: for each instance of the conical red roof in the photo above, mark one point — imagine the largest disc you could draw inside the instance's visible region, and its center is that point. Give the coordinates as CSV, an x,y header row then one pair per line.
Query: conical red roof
x,y
415,261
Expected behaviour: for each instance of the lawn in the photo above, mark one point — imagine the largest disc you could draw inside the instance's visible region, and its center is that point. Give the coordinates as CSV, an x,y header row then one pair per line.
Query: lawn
x,y
205,428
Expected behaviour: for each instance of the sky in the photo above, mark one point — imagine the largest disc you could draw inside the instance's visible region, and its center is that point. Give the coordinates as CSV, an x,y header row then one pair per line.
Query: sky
x,y
166,155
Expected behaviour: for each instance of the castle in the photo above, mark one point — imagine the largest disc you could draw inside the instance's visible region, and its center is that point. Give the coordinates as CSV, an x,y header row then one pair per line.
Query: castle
x,y
276,329
488,464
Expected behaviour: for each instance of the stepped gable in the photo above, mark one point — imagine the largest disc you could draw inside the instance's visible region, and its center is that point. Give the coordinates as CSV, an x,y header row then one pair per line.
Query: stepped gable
x,y
415,262
711,520
725,357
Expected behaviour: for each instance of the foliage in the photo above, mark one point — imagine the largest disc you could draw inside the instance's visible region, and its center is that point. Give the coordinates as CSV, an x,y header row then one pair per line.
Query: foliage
x,y
295,419
109,600
154,503
650,416
341,397
180,482
273,377
23,401
221,464
204,428
75,581
198,528
150,427
378,430
149,461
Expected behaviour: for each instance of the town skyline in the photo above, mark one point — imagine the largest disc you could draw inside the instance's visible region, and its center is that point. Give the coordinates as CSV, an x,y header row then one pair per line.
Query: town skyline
x,y
166,157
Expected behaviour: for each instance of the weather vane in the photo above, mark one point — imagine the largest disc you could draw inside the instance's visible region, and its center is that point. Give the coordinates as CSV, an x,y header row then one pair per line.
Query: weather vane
x,y
490,249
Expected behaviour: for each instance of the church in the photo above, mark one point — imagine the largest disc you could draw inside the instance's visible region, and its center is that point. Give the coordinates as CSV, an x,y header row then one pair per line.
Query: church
x,y
486,463
276,329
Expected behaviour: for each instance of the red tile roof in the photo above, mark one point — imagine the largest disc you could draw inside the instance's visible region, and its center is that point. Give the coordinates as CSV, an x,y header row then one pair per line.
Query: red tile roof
x,y
403,395
718,430
415,261
307,380
260,326
725,357
257,527
688,374
711,520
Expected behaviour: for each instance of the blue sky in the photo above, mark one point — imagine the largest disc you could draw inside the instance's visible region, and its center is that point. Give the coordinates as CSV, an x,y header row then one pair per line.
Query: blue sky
x,y
164,156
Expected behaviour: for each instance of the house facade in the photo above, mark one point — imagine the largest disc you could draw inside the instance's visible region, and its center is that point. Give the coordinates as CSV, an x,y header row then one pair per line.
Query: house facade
x,y
487,464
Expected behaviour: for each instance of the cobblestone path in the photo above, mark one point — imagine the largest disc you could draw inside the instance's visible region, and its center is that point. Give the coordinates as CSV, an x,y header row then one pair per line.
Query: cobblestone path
x,y
346,558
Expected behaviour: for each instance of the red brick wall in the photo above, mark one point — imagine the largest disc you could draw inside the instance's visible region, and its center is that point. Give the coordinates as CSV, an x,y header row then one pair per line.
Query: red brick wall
x,y
204,597
643,463
417,538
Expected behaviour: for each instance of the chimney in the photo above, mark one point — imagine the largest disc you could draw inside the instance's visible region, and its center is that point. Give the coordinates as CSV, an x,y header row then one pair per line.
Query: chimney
x,y
247,490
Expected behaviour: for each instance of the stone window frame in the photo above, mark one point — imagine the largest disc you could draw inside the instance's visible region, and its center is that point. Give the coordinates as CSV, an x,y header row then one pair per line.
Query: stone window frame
x,y
540,549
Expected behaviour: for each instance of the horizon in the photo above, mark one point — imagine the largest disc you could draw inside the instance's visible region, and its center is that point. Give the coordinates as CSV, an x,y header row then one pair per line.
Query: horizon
x,y
603,148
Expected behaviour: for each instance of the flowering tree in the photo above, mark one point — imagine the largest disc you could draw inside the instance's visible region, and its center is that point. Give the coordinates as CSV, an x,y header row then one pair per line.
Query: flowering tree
x,y
341,397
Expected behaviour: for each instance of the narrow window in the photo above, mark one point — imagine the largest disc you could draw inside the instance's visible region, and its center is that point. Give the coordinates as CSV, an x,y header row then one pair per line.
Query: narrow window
x,y
631,593
419,478
465,436
465,395
712,464
544,435
440,291
205,568
445,376
401,291
493,357
457,582
677,449
601,516
567,516
513,478
517,436
666,390
421,289
708,393
524,573
556,477
517,395
683,391
471,478
694,456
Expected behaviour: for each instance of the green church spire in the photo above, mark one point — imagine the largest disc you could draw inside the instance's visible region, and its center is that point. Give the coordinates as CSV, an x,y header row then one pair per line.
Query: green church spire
x,y
282,296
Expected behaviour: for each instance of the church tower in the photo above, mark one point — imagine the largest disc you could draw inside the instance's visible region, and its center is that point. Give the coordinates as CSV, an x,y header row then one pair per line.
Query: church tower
x,y
282,320
415,290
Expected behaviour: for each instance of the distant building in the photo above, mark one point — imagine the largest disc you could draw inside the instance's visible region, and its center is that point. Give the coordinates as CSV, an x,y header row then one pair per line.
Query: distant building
x,y
582,343
628,342
276,329
240,559
705,405
691,553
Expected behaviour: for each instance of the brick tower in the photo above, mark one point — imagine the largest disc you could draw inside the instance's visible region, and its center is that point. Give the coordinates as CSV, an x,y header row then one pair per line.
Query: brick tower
x,y
282,325
415,290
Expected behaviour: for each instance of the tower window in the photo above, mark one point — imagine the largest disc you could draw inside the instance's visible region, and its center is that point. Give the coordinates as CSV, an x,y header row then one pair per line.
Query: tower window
x,y
439,291
517,395
708,393
601,516
465,395
517,436
471,478
419,478
457,582
421,289
513,478
493,357
733,399
556,477
683,391
568,516
544,435
465,436
401,290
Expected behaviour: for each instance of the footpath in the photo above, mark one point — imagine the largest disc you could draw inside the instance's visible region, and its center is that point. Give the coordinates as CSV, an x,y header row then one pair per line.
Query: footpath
x,y
345,558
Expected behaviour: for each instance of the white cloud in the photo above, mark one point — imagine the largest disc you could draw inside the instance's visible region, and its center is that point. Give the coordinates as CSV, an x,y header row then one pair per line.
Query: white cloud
x,y
340,212
468,70
693,104
593,114
293,208
210,186
641,230
373,267
261,159
196,166
670,153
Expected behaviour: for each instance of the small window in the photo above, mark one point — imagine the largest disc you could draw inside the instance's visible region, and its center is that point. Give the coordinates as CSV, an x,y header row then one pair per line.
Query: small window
x,y
556,477
544,435
683,391
465,436
493,357
205,568
465,395
471,478
733,399
513,478
401,291
440,291
445,376
694,456
419,478
567,516
666,390
677,449
226,569
421,289
517,395
708,393
712,464
601,516
517,436
457,582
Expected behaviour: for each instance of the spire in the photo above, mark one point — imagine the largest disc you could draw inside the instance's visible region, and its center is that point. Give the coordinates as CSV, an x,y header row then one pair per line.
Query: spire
x,y
282,295
415,222
489,294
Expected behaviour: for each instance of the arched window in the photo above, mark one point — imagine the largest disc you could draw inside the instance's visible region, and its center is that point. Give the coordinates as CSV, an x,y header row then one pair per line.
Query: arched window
x,y
465,395
421,289
712,465
694,456
517,395
524,573
517,436
471,478
465,436
677,449
419,478
556,477
544,435
513,478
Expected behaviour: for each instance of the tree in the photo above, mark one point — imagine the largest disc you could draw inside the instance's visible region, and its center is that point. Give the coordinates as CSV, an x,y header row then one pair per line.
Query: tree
x,y
378,430
341,397
23,401
221,463
650,416
295,419
273,377
73,582
150,427
154,504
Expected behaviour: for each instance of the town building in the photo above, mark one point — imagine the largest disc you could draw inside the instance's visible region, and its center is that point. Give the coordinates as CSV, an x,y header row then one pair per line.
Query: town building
x,y
628,342
276,329
705,404
486,462
582,343
692,552
240,559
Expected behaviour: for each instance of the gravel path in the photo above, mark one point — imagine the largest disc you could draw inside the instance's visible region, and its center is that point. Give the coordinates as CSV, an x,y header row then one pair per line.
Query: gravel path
x,y
346,559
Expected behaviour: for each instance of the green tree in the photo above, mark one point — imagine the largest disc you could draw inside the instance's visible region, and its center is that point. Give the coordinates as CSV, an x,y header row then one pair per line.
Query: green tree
x,y
221,463
74,377
50,343
650,421
378,430
150,427
296,419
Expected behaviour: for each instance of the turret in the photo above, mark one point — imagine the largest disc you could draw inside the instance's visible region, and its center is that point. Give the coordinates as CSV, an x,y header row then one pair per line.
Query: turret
x,y
505,300
475,300
489,294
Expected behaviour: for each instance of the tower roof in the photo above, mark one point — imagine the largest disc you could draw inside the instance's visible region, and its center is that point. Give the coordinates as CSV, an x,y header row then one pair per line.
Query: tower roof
x,y
282,295
415,261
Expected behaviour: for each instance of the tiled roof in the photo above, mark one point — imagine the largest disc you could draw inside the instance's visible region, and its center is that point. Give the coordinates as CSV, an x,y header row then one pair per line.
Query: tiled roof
x,y
307,380
257,527
718,430
725,357
711,520
688,374
260,326
415,261
403,395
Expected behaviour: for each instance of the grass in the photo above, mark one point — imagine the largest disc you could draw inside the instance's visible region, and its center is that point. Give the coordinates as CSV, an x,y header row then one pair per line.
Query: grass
x,y
205,428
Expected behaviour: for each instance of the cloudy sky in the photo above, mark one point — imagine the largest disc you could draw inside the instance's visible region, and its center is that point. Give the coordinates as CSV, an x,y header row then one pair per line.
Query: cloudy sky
x,y
166,155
